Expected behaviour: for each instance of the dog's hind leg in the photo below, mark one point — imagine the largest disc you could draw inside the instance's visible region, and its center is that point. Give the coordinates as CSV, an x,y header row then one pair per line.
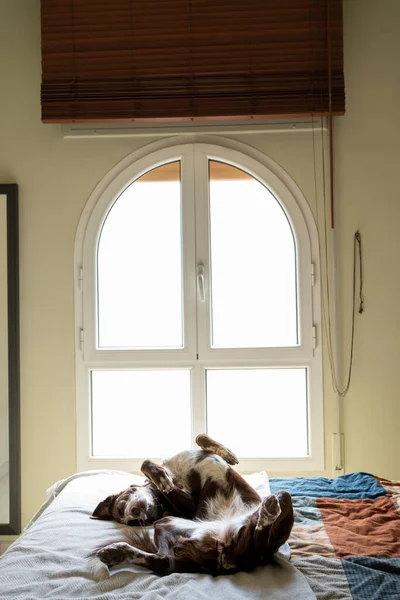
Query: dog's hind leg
x,y
269,511
206,443
282,526
270,526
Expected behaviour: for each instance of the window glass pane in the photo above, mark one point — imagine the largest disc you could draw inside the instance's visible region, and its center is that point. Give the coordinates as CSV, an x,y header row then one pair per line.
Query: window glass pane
x,y
253,264
140,413
140,265
259,412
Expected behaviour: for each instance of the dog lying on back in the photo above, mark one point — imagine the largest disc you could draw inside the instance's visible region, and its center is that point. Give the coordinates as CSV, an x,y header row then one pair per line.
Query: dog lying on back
x,y
175,488
216,523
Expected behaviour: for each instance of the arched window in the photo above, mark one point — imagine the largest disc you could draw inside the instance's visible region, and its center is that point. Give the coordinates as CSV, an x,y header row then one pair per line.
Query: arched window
x,y
198,310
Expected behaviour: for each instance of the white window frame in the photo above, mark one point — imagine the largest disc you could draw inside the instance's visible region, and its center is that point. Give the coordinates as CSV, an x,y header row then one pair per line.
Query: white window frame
x,y
194,153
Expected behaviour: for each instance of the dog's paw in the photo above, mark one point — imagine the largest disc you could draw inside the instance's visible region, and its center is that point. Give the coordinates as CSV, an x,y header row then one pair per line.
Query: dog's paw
x,y
269,511
114,554
227,455
204,441
165,484
271,506
158,476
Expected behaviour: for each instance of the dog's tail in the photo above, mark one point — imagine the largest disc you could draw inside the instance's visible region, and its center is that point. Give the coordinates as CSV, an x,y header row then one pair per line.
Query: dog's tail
x,y
142,538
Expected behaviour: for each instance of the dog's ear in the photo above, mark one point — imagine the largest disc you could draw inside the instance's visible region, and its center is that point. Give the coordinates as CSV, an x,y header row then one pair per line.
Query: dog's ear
x,y
104,509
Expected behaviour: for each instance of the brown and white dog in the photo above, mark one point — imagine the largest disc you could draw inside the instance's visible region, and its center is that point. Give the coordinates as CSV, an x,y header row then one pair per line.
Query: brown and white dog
x,y
226,527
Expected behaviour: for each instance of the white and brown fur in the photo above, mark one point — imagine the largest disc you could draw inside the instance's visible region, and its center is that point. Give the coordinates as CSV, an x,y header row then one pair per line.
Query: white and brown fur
x,y
227,526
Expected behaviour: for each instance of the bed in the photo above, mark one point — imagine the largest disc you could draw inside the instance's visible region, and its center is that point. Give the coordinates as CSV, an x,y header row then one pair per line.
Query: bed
x,y
345,545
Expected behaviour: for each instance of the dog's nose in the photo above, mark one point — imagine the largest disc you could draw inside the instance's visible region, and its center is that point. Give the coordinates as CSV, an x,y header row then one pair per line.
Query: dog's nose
x,y
138,510
136,518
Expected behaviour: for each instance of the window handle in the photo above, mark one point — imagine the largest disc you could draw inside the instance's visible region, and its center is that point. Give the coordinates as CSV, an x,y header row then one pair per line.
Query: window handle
x,y
201,282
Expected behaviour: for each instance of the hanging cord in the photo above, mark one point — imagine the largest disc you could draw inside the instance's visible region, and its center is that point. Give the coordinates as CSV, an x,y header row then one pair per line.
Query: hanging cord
x,y
326,306
357,242
326,303
357,238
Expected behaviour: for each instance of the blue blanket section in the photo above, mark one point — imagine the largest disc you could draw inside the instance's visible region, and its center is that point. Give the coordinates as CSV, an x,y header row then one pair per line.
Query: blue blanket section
x,y
354,486
373,578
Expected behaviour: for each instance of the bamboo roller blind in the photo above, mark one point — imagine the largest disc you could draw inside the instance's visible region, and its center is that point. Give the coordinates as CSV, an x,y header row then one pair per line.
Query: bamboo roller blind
x,y
148,60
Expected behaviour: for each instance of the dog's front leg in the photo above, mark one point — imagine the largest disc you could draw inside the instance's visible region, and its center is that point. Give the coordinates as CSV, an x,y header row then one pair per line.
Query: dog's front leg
x,y
157,475
121,552
181,502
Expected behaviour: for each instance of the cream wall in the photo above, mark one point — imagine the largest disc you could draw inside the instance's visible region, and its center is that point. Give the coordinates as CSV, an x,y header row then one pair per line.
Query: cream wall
x,y
56,177
367,169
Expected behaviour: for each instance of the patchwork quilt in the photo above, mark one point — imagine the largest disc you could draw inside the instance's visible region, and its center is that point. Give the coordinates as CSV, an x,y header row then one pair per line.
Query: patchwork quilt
x,y
346,537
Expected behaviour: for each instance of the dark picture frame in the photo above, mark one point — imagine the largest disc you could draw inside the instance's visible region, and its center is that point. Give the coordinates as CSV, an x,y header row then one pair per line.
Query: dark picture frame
x,y
13,527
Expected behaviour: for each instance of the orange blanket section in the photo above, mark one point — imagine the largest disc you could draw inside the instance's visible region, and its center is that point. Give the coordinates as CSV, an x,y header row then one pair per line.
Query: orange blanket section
x,y
362,527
